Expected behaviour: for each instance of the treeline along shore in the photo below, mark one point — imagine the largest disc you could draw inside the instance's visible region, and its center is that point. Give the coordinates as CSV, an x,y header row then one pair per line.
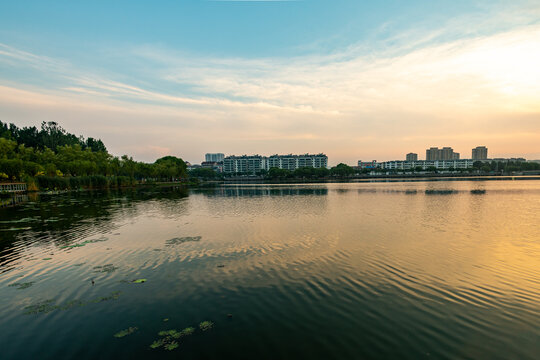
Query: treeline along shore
x,y
50,158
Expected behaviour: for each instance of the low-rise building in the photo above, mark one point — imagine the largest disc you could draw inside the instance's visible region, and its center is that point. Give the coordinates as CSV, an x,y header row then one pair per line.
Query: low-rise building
x,y
244,164
509,159
293,162
193,166
256,163
427,164
367,164
214,165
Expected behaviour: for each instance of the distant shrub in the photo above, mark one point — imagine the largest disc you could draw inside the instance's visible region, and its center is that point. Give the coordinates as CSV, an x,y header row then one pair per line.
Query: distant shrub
x,y
53,182
99,182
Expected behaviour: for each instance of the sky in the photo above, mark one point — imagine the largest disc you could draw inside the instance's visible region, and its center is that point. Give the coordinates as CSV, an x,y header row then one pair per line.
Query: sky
x,y
356,80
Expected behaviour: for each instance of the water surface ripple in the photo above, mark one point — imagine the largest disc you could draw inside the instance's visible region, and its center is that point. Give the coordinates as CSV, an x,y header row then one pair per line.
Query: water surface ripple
x,y
445,270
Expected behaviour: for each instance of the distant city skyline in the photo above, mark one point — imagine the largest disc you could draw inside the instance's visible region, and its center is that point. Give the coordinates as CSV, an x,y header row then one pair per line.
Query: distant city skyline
x,y
432,154
355,80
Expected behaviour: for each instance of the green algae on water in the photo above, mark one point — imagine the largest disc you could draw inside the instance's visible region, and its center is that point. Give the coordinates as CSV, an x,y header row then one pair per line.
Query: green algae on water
x,y
156,344
126,332
206,325
171,346
41,307
181,240
16,228
108,268
113,296
172,333
139,281
84,243
187,331
21,286
169,338
45,306
46,259
71,304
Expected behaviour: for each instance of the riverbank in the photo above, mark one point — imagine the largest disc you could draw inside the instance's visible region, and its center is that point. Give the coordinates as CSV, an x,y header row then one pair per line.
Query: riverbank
x,y
124,184
378,178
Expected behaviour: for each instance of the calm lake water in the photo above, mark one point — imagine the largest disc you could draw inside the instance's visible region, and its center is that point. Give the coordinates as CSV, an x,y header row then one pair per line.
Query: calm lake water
x,y
412,270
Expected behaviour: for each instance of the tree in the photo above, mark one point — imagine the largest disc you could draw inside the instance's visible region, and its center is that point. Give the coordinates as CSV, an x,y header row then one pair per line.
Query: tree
x,y
477,165
322,172
95,145
127,166
170,167
304,172
7,148
53,152
204,173
277,173
342,170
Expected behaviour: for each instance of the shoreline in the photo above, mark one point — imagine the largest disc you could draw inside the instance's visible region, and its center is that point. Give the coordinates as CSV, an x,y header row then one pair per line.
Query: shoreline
x,y
382,178
254,180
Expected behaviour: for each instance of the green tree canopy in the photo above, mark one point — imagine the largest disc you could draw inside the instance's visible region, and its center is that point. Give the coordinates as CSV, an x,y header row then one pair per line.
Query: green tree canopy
x,y
342,170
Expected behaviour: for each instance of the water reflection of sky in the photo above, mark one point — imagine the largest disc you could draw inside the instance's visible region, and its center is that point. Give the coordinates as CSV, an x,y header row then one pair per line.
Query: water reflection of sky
x,y
455,262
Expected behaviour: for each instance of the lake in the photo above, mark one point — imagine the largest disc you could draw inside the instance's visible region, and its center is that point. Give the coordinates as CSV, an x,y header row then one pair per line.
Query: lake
x,y
406,270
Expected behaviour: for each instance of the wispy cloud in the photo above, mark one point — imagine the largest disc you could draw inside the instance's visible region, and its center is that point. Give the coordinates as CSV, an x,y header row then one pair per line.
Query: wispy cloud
x,y
354,103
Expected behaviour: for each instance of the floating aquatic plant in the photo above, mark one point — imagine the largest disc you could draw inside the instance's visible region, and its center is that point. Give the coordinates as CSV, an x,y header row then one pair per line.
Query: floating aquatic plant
x,y
71,246
172,333
181,240
18,221
47,259
206,325
170,337
46,306
139,281
16,228
171,346
108,268
166,319
21,286
113,296
71,304
101,239
84,243
41,307
126,332
157,343
187,331
79,264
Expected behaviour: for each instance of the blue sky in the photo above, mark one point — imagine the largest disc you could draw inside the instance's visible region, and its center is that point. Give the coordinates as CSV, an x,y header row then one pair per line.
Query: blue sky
x,y
353,79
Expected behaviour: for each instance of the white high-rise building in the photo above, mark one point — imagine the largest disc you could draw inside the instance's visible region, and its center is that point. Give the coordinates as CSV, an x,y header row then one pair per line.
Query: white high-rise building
x,y
214,157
